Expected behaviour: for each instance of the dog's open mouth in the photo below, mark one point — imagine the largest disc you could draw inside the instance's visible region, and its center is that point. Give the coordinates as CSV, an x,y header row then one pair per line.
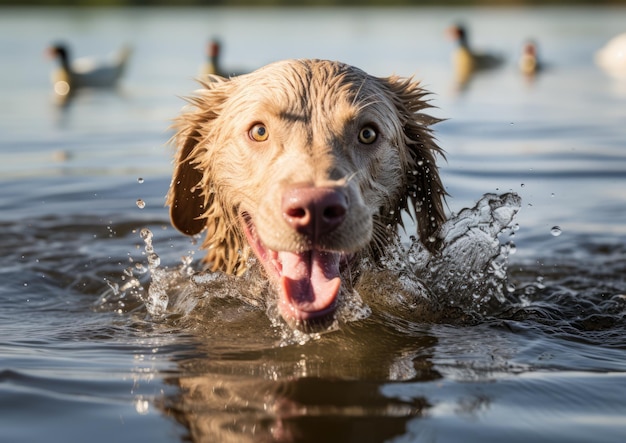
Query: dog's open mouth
x,y
308,282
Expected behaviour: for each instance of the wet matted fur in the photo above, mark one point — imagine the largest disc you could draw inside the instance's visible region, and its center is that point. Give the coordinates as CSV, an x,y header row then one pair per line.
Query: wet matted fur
x,y
307,164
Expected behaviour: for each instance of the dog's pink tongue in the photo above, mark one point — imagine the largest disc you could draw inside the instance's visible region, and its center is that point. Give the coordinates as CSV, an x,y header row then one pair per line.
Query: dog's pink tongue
x,y
310,283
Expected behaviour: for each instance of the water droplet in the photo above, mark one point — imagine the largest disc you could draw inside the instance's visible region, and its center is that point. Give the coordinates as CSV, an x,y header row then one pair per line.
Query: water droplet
x,y
140,203
552,195
522,185
140,180
142,406
154,260
556,231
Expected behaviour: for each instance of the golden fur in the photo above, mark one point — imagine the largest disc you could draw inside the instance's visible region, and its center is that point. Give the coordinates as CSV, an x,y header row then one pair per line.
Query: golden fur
x,y
313,111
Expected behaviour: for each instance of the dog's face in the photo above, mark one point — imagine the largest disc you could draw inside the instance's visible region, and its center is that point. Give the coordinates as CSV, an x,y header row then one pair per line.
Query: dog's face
x,y
306,163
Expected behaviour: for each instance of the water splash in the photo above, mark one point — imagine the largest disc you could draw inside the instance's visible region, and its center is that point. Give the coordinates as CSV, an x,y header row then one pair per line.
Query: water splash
x,y
157,299
145,286
471,269
469,273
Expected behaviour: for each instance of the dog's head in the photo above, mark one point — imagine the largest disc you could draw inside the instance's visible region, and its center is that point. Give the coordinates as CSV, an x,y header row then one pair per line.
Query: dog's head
x,y
306,164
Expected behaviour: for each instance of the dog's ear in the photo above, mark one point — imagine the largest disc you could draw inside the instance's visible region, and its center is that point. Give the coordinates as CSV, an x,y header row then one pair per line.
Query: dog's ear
x,y
424,191
193,195
189,197
185,197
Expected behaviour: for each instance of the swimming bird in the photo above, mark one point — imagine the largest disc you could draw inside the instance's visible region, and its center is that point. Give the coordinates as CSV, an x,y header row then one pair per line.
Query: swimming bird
x,y
86,72
529,63
465,60
213,65
612,57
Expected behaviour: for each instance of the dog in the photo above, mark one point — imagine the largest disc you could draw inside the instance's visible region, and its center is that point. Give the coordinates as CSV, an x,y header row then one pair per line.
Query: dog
x,y
306,165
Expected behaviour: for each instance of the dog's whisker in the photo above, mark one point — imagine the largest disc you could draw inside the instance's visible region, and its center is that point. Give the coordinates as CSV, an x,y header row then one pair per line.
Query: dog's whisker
x,y
350,177
357,93
366,104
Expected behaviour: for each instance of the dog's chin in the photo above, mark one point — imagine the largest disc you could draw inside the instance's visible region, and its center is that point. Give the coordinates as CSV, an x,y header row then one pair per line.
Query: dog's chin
x,y
308,282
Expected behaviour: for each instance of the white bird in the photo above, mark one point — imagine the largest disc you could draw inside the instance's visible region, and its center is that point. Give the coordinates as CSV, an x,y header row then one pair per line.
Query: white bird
x,y
86,72
612,57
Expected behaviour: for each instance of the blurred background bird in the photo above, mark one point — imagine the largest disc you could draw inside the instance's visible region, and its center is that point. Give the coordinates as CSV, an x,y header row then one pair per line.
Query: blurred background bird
x,y
467,61
612,57
86,72
213,63
528,62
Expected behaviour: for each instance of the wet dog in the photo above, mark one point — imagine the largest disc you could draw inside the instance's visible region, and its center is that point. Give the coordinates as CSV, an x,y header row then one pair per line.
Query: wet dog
x,y
307,165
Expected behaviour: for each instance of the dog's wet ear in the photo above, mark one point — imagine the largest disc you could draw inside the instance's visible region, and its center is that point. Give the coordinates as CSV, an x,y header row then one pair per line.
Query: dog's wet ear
x,y
424,190
185,197
188,197
194,197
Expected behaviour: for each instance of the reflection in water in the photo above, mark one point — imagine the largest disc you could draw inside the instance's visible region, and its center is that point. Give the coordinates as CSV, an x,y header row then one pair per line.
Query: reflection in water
x,y
66,106
328,390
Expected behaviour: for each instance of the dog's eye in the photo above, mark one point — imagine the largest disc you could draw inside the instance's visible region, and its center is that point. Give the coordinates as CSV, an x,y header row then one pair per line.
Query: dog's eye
x,y
259,132
367,135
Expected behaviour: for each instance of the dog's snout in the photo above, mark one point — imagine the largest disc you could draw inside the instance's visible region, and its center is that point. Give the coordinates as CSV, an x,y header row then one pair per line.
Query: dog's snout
x,y
314,211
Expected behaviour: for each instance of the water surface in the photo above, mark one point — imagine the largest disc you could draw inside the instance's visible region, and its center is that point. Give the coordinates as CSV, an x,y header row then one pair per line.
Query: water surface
x,y
533,351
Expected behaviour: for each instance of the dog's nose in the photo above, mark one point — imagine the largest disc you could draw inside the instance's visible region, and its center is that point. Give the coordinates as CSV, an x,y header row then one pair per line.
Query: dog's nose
x,y
314,211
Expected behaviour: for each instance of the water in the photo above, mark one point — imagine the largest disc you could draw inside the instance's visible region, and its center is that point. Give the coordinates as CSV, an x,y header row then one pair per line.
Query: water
x,y
109,333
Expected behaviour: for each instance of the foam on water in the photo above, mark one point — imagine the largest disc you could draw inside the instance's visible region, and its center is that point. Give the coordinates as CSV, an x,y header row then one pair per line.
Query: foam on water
x,y
469,274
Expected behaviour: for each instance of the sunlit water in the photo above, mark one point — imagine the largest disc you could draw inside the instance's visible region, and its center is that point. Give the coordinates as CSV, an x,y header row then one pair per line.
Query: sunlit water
x,y
111,331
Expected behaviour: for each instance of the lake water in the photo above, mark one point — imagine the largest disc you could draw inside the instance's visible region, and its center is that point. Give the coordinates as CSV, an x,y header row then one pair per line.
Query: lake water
x,y
82,359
